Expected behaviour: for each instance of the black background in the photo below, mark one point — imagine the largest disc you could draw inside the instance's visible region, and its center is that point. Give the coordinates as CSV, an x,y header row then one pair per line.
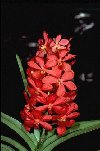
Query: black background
x,y
18,19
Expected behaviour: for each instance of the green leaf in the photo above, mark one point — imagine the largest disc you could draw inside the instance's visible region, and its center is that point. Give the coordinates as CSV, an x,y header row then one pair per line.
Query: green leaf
x,y
82,127
37,134
22,72
13,142
6,148
18,128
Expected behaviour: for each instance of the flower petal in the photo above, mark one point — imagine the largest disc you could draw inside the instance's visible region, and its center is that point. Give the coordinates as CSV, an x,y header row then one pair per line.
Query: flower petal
x,y
61,90
42,108
64,42
69,57
52,61
47,87
58,38
37,74
51,98
57,109
49,80
55,71
66,66
41,99
61,130
47,117
69,123
32,64
45,35
60,101
37,114
46,126
52,44
73,115
68,75
40,61
62,53
70,85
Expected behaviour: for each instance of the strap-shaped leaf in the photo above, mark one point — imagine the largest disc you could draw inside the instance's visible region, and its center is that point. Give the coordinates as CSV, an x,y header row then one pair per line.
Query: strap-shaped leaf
x,y
6,148
37,134
22,72
13,143
18,128
82,127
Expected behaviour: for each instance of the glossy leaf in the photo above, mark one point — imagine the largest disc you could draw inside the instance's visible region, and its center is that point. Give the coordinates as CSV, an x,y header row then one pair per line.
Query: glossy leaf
x,y
22,72
13,143
80,128
18,128
6,148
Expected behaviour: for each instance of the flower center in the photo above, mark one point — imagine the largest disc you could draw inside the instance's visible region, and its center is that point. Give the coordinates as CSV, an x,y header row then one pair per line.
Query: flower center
x,y
43,47
59,81
49,106
59,62
37,122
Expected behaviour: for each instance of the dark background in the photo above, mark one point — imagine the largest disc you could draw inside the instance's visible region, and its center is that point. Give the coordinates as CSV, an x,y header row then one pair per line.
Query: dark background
x,y
22,23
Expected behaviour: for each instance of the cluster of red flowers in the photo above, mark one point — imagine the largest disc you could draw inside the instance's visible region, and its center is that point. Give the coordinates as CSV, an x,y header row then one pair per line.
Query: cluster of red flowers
x,y
51,90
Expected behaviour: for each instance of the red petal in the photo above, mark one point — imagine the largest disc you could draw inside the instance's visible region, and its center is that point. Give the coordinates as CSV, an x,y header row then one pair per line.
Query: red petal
x,y
57,109
73,115
64,42
55,71
31,90
37,114
68,75
47,87
62,53
61,90
32,64
45,35
61,130
69,123
41,99
66,66
52,44
38,83
29,123
47,118
49,80
46,126
68,57
60,101
58,38
42,108
70,85
52,61
51,98
40,61
31,82
37,74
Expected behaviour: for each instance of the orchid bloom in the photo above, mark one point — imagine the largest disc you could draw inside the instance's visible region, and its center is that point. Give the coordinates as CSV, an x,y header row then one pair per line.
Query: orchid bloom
x,y
58,43
63,81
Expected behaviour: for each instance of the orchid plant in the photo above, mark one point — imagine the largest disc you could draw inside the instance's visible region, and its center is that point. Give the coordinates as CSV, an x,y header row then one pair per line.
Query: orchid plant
x,y
50,110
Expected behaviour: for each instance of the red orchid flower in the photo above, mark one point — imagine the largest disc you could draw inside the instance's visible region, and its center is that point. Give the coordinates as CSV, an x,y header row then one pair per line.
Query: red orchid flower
x,y
35,118
44,45
32,83
53,60
59,43
66,118
51,103
61,82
